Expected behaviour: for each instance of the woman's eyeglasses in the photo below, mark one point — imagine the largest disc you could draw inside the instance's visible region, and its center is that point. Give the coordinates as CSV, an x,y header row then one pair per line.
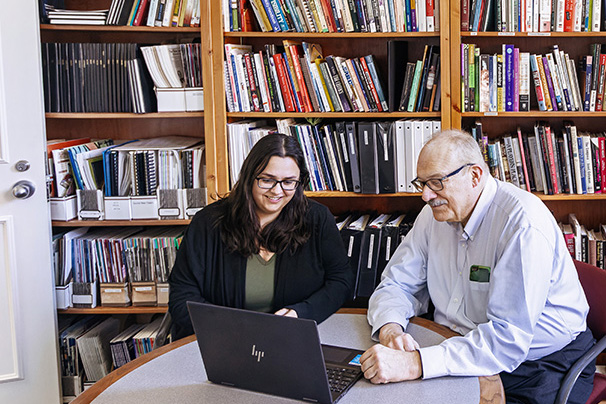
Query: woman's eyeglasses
x,y
268,183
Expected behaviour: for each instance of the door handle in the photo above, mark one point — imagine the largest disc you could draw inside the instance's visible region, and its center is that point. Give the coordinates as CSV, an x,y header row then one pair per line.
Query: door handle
x,y
23,189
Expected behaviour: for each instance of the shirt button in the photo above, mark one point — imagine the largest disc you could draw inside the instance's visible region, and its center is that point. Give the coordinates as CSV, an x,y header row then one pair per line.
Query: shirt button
x,y
454,327
456,300
460,273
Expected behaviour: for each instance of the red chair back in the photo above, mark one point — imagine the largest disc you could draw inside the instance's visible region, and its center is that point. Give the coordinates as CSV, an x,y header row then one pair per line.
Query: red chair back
x,y
593,280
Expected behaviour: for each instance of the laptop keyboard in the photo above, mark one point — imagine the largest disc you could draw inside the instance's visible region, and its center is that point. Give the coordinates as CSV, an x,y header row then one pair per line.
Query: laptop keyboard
x,y
340,379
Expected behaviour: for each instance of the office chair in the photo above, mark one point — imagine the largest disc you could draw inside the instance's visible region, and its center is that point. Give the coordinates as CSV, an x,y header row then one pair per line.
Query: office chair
x,y
593,280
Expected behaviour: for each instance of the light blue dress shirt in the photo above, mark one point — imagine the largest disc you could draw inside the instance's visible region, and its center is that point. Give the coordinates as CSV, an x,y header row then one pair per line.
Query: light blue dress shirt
x,y
532,305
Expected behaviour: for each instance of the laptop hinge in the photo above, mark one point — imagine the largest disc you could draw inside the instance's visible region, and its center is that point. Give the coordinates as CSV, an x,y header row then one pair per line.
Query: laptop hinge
x,y
228,384
310,399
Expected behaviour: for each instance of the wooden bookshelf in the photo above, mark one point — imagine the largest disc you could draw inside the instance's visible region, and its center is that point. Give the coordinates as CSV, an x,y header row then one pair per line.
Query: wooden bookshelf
x,y
343,44
108,223
339,115
591,208
115,310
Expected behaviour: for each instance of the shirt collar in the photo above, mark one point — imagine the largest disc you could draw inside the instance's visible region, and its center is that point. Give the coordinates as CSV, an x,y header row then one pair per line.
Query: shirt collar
x,y
479,211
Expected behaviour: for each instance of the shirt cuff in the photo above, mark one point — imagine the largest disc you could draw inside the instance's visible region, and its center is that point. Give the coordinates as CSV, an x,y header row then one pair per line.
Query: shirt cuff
x,y
433,361
381,321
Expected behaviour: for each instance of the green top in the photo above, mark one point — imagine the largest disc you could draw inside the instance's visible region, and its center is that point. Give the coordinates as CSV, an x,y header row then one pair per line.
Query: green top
x,y
259,289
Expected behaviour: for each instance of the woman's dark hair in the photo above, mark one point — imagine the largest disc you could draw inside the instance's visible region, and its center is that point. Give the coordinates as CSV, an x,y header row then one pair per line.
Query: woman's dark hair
x,y
239,224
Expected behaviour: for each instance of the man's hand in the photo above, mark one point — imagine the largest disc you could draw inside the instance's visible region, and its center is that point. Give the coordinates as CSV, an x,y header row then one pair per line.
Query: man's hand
x,y
286,313
385,365
392,336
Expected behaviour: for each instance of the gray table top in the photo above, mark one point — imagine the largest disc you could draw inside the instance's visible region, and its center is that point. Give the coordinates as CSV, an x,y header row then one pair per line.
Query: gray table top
x,y
178,376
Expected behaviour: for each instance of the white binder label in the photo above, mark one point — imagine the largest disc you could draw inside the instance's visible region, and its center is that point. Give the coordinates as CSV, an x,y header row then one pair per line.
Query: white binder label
x,y
143,289
344,147
388,249
385,151
370,250
350,248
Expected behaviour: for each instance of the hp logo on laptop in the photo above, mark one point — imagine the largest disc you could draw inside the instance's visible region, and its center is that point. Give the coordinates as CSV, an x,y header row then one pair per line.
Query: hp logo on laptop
x,y
257,354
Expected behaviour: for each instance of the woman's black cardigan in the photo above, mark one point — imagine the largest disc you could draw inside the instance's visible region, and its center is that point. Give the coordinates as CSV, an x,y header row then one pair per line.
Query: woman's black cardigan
x,y
314,281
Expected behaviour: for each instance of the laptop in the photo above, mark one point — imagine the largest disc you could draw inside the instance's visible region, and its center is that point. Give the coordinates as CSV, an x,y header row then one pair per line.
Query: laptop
x,y
272,354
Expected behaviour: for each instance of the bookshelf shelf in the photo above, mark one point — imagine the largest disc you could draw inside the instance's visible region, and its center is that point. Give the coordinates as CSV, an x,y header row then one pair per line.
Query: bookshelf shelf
x,y
336,194
505,35
331,35
342,115
122,115
106,223
115,310
119,28
536,114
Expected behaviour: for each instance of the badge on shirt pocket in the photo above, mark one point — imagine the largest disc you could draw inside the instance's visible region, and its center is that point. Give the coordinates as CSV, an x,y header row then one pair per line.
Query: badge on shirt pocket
x,y
479,273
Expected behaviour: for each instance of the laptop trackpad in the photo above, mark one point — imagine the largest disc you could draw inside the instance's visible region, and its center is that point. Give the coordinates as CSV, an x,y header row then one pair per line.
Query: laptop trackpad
x,y
341,356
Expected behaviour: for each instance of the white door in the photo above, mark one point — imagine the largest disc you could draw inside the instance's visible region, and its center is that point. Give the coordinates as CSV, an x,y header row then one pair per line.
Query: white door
x,y
28,341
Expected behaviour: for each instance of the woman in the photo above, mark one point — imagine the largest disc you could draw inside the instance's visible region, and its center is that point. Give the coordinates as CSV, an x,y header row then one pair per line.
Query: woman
x,y
264,247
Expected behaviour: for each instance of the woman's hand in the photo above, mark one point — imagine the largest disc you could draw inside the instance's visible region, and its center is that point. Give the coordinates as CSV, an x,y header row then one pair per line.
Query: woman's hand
x,y
392,336
286,313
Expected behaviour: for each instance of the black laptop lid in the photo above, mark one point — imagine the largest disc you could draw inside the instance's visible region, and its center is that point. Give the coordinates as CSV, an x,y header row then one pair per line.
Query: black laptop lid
x,y
261,352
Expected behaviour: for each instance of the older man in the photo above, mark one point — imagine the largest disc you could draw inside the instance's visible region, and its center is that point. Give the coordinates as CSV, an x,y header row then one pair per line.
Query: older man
x,y
493,261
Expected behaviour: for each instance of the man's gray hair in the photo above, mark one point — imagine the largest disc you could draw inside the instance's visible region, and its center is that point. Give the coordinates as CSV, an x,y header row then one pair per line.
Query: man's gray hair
x,y
459,145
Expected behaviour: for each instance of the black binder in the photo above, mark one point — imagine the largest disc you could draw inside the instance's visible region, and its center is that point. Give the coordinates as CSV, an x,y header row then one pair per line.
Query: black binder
x,y
370,256
367,147
397,57
340,138
354,156
386,157
352,235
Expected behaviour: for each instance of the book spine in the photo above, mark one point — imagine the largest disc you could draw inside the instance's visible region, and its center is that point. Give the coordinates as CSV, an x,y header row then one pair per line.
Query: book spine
x,y
415,86
582,168
544,85
273,20
589,178
549,80
252,83
588,77
338,84
286,90
509,80
375,81
600,91
602,159
484,84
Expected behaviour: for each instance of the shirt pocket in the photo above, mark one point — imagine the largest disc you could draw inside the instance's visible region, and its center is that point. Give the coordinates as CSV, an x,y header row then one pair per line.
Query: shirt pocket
x,y
477,302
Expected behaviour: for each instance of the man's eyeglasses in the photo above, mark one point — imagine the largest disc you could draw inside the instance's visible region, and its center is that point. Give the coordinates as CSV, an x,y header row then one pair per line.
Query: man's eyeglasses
x,y
436,184
268,183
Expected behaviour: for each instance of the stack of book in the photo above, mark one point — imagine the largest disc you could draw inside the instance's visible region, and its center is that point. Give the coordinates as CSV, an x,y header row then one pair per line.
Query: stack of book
x,y
117,257
366,157
502,81
585,244
593,78
298,78
76,17
155,13
95,351
421,85
531,15
91,77
123,347
549,160
333,16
